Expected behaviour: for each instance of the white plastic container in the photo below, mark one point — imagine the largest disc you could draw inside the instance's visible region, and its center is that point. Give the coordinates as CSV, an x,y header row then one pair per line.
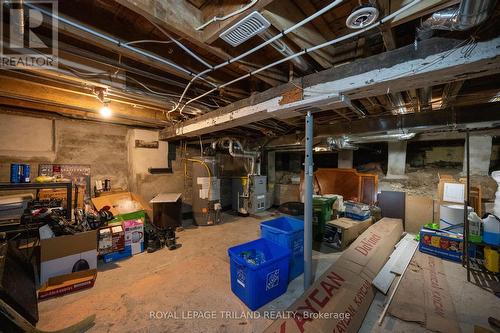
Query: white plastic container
x,y
451,217
491,234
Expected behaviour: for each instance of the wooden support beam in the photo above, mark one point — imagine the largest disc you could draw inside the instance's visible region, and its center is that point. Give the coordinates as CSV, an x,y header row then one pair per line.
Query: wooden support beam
x,y
38,95
397,70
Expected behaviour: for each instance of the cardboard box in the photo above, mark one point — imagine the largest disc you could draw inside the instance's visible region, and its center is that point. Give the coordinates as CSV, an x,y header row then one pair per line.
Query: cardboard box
x,y
450,191
134,236
67,254
343,231
441,244
340,298
60,193
125,206
284,193
115,256
68,283
133,241
111,239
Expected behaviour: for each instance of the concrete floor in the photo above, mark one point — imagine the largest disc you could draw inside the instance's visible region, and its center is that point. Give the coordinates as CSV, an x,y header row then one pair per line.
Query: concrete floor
x,y
196,277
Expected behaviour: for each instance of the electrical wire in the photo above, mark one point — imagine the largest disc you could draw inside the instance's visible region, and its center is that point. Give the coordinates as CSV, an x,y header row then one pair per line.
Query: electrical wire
x,y
225,17
258,47
167,94
149,41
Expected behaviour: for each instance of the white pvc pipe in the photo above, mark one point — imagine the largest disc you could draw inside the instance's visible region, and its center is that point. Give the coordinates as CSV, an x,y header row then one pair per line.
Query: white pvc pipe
x,y
217,18
311,49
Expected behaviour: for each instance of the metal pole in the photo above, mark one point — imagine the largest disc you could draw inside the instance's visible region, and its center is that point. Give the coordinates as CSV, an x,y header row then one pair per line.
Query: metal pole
x,y
467,198
308,204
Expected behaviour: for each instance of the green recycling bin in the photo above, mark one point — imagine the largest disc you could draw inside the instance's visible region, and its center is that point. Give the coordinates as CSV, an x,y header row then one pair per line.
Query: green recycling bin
x,y
322,213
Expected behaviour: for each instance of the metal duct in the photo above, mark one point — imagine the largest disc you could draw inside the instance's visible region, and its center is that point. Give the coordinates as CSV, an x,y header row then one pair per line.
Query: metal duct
x,y
285,50
398,102
425,98
17,26
230,143
468,14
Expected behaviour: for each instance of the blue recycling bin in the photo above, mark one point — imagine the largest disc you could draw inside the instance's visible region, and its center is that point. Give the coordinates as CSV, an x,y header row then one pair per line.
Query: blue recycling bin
x,y
258,281
287,232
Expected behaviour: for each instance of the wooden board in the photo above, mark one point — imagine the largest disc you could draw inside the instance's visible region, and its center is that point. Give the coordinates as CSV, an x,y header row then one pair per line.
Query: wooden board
x,y
418,211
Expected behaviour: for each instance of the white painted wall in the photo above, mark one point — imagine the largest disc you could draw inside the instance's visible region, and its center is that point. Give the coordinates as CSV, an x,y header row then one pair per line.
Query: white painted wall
x,y
144,158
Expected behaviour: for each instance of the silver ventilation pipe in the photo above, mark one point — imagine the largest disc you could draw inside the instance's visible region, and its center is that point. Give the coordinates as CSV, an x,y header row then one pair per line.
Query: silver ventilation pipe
x,y
230,143
465,16
17,26
398,102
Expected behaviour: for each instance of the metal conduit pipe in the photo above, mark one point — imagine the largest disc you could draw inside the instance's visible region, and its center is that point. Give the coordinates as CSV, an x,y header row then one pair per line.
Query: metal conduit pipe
x,y
258,47
467,15
311,49
119,43
225,17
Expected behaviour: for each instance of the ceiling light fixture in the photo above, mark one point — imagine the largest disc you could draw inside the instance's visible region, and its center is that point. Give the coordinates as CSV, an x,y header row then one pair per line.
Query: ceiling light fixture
x,y
105,111
362,16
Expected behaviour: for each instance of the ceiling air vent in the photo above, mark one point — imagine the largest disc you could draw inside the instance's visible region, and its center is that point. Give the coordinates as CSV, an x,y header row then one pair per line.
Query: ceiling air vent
x,y
250,26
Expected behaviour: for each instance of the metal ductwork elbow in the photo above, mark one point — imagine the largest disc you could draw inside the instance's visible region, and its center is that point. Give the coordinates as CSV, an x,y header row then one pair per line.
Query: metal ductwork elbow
x,y
466,15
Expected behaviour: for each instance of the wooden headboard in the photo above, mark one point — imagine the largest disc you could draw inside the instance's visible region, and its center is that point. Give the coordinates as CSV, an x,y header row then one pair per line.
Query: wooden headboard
x,y
349,183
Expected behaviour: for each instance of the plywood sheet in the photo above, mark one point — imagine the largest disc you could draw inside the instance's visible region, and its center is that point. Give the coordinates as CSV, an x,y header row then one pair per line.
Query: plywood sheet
x,y
419,211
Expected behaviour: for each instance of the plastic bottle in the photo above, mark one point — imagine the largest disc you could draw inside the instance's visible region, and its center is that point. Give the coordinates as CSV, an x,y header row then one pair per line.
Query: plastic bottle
x,y
491,234
475,225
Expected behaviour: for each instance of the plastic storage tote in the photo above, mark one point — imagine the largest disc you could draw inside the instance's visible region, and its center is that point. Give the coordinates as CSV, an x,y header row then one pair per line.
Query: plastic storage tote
x,y
258,283
287,232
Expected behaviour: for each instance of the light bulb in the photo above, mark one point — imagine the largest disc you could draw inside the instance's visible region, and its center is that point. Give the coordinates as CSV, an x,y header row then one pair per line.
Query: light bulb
x,y
105,111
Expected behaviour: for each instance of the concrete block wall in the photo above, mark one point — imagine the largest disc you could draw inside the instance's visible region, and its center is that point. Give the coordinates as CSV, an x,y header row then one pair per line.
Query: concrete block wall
x,y
109,149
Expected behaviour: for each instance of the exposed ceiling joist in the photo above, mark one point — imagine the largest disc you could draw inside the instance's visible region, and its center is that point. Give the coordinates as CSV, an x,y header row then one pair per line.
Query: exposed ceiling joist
x,y
168,15
457,118
450,93
305,36
385,29
406,68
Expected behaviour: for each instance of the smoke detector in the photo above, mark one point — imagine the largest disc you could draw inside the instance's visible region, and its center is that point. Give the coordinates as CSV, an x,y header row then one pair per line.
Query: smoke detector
x,y
250,26
362,17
